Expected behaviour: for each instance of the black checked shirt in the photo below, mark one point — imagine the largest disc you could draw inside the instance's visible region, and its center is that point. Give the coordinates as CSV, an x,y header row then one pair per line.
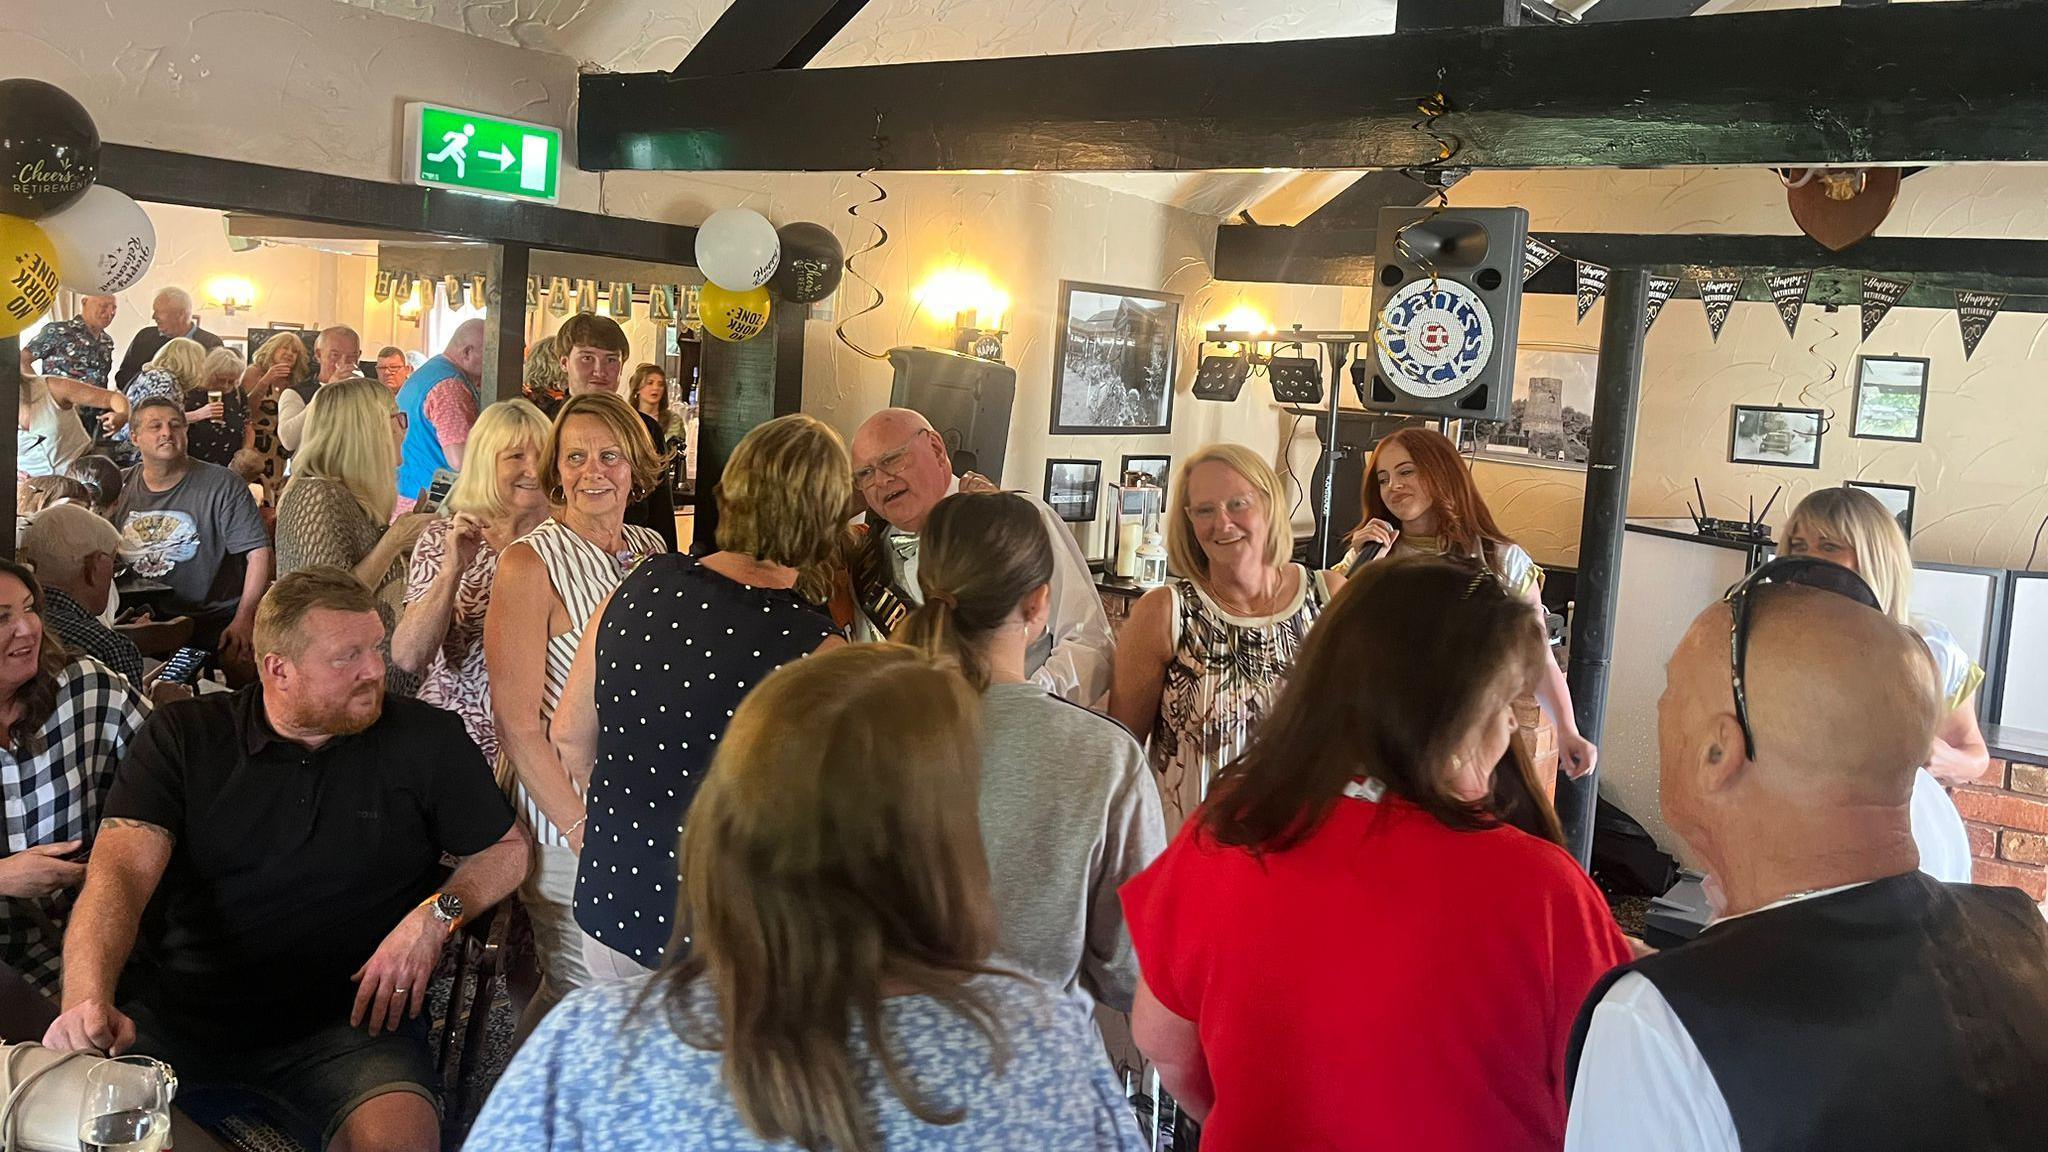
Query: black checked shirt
x,y
54,795
84,635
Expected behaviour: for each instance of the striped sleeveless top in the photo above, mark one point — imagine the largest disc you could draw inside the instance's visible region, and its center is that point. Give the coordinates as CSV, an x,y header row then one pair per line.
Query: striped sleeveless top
x,y
582,575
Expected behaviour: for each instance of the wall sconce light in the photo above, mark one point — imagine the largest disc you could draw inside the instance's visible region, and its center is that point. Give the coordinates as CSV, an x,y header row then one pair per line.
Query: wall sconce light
x,y
409,308
228,293
974,303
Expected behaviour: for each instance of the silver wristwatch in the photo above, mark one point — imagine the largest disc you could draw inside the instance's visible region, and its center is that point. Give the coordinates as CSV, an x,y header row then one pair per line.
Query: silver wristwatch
x,y
447,908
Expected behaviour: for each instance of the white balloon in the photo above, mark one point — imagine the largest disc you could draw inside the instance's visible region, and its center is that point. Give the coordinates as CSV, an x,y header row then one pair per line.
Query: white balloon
x,y
737,249
104,242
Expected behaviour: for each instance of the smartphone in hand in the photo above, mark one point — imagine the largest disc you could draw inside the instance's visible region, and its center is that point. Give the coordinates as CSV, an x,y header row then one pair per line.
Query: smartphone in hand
x,y
434,498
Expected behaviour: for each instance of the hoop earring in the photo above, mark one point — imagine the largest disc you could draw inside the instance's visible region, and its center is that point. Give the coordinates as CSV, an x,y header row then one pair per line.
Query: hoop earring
x,y
557,496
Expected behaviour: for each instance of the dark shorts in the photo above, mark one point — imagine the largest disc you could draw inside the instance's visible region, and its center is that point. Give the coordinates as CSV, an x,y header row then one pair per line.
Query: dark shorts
x,y
316,1079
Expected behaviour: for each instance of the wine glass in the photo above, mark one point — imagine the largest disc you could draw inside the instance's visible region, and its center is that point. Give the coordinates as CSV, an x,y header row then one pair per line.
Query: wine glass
x,y
127,1105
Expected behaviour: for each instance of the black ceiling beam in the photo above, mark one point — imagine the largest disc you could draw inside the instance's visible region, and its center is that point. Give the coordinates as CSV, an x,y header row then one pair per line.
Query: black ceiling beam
x,y
1937,266
1610,11
296,194
1417,15
1906,83
761,35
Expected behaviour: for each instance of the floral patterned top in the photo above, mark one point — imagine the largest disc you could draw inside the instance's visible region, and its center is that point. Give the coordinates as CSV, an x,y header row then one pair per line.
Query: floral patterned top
x,y
456,679
68,348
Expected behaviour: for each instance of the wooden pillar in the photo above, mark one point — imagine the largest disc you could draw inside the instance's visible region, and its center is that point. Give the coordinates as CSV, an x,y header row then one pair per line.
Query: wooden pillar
x,y
1610,451
739,387
505,323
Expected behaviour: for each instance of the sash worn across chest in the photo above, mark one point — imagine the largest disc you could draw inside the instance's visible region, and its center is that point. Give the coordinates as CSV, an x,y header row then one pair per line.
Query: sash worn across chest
x,y
882,600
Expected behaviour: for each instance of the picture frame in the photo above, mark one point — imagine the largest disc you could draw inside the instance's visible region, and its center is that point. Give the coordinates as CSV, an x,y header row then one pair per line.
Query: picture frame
x,y
1891,398
1562,375
1159,468
1776,437
1897,499
1117,354
1073,489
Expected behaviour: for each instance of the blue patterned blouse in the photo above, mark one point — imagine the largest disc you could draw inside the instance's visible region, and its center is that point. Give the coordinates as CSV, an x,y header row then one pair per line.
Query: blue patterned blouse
x,y
605,1072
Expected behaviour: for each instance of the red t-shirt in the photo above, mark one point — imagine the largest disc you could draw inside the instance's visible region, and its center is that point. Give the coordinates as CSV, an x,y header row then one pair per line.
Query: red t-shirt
x,y
1389,983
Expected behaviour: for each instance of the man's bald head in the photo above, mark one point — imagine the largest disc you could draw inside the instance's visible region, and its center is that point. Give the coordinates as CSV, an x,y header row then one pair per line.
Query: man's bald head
x,y
900,466
466,348
1843,705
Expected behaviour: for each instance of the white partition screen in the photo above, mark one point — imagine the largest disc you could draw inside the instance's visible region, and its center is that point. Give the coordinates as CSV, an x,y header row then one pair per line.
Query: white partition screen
x,y
2025,700
1962,599
1665,581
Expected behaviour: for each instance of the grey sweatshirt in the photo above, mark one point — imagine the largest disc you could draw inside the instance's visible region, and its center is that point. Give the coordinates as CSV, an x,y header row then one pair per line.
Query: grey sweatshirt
x,y
1069,811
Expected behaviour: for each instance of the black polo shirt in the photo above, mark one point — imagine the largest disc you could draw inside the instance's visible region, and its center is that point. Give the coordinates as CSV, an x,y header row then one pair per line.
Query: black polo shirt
x,y
291,864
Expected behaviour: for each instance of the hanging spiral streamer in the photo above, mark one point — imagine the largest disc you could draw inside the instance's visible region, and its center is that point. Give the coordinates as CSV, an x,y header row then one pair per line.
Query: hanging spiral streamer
x,y
881,238
1806,398
1430,109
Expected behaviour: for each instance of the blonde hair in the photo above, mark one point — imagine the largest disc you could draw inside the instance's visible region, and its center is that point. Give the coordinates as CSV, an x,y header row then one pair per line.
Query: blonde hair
x,y
785,496
1185,550
544,373
834,850
185,360
619,418
284,607
221,360
348,441
980,555
267,355
502,426
1856,518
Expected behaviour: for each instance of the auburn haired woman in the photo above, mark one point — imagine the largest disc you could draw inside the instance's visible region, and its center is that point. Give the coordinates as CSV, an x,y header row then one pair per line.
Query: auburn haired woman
x,y
1420,501
837,992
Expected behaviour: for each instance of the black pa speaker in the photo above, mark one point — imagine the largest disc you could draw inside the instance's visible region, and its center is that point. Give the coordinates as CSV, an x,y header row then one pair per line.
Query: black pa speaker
x,y
1446,305
967,399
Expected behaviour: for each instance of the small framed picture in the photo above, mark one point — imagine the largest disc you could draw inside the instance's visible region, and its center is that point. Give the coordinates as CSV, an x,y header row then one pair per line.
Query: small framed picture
x,y
1156,468
1073,488
1896,498
1113,366
1891,398
1776,437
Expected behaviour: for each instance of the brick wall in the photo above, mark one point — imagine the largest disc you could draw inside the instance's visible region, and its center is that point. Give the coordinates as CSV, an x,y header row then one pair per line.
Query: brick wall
x,y
2007,817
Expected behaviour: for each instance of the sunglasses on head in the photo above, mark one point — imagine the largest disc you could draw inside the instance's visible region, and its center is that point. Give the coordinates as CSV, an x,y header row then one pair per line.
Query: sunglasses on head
x,y
1806,570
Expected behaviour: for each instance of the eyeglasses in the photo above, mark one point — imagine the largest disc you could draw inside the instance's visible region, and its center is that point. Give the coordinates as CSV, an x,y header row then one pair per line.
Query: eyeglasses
x,y
890,463
400,421
1806,570
1237,506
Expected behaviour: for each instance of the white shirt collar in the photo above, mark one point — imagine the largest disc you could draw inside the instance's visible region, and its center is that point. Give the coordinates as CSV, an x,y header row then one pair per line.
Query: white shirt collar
x,y
888,529
1794,898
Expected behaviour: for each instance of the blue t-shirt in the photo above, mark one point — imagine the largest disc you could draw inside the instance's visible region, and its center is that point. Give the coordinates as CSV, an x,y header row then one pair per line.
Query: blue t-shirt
x,y
423,453
608,1074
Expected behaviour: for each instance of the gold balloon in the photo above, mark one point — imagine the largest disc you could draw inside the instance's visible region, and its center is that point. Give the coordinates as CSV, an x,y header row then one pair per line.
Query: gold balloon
x,y
734,316
28,275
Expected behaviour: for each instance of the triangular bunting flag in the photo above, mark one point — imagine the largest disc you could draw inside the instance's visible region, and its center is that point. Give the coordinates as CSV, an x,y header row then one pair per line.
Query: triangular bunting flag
x,y
1788,292
558,296
381,287
586,297
452,287
1974,311
1661,290
479,291
1592,286
1717,297
1536,256
1880,293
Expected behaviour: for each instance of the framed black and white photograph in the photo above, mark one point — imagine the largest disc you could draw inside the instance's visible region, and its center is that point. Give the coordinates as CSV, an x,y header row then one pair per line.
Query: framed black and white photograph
x,y
1551,416
1113,369
1156,469
1073,488
1891,398
1777,437
1896,498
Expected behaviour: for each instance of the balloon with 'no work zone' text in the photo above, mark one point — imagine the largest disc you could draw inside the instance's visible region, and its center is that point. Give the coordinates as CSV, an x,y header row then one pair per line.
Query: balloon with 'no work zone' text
x,y
733,316
28,275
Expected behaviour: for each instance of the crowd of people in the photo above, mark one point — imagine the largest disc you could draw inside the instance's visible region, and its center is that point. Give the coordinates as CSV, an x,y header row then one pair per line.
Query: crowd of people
x,y
846,833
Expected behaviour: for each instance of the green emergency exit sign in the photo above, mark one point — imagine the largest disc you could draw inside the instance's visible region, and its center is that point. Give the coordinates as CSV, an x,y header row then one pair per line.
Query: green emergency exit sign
x,y
490,155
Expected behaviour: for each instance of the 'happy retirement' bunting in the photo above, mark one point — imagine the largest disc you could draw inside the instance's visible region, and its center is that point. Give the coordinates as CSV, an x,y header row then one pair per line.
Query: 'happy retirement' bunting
x,y
1536,256
1717,297
1592,286
1788,292
1880,293
1974,310
1661,290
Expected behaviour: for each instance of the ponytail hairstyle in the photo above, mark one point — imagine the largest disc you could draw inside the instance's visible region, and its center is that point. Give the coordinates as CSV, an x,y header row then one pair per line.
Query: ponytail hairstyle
x,y
979,555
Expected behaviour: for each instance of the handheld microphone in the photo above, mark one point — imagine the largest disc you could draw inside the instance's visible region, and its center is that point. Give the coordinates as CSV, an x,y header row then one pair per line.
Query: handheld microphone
x,y
1370,551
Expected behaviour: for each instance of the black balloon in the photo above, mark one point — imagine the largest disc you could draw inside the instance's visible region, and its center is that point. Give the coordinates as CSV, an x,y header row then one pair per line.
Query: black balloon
x,y
812,263
49,148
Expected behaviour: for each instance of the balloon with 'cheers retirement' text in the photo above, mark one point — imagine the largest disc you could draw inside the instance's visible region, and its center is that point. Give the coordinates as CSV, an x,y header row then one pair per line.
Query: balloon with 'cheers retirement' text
x,y
49,148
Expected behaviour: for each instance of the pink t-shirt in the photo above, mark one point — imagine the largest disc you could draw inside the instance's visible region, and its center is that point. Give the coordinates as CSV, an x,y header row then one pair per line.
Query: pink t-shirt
x,y
1389,983
451,409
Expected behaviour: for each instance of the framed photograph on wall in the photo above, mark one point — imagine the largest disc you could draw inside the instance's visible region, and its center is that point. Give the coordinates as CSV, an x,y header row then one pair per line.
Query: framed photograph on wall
x,y
1114,364
1551,417
1776,437
1073,488
1891,398
1156,468
1896,498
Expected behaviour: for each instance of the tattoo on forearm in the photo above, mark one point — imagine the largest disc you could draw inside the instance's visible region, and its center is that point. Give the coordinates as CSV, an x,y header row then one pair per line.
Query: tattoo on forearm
x,y
146,826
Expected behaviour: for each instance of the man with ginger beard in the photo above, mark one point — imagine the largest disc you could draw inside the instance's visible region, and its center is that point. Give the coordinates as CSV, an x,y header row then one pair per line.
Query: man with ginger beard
x,y
272,857
1843,998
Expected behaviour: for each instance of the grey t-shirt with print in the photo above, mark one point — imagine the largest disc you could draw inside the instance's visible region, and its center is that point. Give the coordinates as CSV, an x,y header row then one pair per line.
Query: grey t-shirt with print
x,y
192,537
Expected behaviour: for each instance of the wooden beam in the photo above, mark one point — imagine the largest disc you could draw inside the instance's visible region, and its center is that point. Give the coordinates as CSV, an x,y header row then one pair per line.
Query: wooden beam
x,y
1905,83
1416,15
505,322
758,35
1609,11
230,185
1937,266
